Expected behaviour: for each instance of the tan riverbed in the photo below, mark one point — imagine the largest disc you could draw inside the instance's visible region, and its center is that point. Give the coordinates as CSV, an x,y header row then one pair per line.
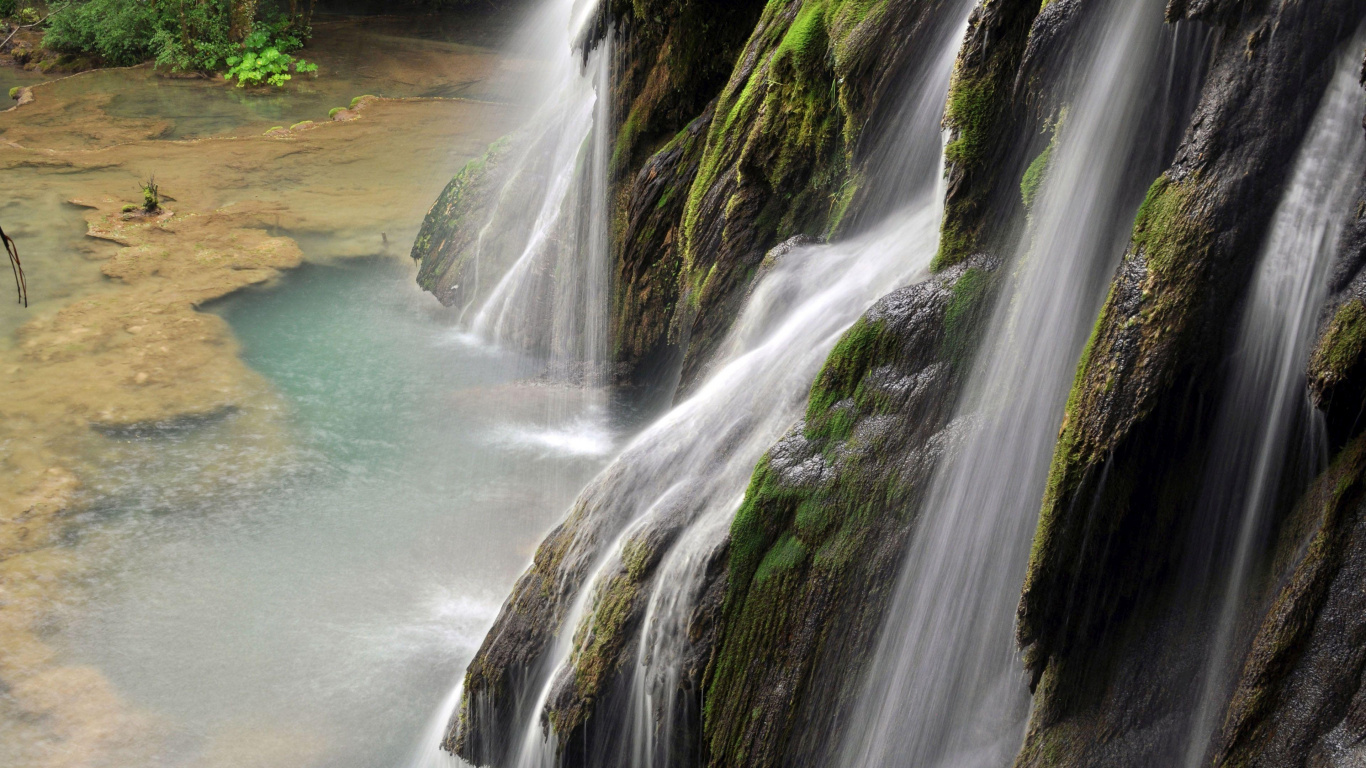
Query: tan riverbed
x,y
114,341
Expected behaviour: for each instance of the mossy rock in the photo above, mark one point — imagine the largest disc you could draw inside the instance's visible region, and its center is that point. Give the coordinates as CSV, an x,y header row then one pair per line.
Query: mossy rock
x,y
1337,370
980,118
818,541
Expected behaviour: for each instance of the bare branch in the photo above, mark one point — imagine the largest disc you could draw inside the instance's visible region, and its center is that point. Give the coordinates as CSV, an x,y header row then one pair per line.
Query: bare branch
x,y
20,284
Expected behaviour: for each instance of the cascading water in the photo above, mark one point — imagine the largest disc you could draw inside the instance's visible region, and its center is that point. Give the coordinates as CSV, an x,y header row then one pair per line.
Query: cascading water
x,y
683,479
945,688
653,711
547,230
687,474
1265,396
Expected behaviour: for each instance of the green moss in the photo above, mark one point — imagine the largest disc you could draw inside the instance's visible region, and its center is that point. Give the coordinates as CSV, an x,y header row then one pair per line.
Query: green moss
x,y
806,39
1065,455
332,113
301,124
784,129
16,92
273,130
786,555
1342,347
356,101
965,313
971,110
980,120
851,358
1034,175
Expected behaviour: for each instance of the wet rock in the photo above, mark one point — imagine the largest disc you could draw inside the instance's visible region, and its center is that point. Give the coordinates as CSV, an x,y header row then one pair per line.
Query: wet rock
x,y
1095,618
1299,699
819,540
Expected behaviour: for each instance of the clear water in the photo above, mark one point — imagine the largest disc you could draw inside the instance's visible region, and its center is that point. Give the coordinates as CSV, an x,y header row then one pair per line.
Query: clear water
x,y
316,612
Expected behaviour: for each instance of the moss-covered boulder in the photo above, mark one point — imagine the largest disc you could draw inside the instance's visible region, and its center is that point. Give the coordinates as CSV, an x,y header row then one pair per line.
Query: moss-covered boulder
x,y
1337,367
783,151
819,539
983,118
447,245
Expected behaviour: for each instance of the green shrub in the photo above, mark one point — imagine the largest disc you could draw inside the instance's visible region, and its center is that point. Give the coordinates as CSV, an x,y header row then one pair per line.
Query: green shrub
x,y
8,7
118,31
189,36
264,62
151,195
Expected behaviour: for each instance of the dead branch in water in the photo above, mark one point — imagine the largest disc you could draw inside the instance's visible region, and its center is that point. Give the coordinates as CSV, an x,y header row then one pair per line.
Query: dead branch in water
x,y
20,284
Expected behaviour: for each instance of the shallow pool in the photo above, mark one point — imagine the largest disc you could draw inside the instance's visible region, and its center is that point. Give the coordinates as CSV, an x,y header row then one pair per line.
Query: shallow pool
x,y
314,612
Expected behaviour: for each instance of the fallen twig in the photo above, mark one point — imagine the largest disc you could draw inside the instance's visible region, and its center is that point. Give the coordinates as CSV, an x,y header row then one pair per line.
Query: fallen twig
x,y
20,284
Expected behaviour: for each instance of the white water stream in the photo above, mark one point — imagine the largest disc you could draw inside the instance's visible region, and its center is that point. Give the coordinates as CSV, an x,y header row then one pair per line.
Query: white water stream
x,y
945,688
1265,395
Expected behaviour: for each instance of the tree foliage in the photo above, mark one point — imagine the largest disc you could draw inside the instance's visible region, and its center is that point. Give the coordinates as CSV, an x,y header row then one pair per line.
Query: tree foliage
x,y
185,35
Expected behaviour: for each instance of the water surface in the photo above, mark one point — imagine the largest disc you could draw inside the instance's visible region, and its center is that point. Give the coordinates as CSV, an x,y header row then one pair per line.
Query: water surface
x,y
316,613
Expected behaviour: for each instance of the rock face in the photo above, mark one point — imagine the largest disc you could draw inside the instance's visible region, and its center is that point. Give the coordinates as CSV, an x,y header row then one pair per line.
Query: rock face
x,y
738,126
1098,614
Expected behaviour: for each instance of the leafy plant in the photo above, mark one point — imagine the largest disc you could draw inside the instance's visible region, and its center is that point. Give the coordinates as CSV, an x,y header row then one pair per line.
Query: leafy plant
x,y
7,7
151,195
264,62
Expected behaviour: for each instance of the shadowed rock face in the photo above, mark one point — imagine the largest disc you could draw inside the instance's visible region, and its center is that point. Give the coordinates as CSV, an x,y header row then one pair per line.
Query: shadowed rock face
x,y
1101,629
1300,699
1337,369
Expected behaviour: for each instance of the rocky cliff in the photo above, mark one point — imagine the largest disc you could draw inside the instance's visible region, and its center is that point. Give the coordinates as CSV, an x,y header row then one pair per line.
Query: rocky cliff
x,y
739,126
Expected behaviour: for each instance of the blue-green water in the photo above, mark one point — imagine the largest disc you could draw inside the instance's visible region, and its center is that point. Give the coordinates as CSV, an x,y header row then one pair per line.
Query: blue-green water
x,y
300,585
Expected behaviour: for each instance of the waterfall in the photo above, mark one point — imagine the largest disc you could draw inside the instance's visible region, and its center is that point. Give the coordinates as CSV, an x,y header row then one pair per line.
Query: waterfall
x,y
945,687
683,478
547,231
905,239
1264,398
